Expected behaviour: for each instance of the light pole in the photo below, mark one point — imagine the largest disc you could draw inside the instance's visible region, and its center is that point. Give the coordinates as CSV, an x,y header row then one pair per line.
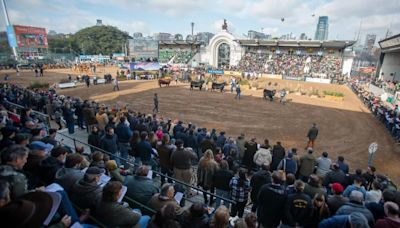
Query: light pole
x,y
9,25
192,24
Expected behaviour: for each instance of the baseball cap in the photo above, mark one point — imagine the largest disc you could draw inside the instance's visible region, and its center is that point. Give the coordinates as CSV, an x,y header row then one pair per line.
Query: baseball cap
x,y
337,188
39,145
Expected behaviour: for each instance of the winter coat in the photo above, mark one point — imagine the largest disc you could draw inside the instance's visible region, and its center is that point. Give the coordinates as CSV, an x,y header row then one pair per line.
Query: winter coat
x,y
240,144
312,133
18,183
67,177
205,173
387,223
109,143
48,169
102,120
312,190
123,132
323,166
298,209
140,188
278,153
182,158
144,150
222,178
86,194
164,155
288,165
262,157
157,202
335,202
88,116
207,144
94,140
251,149
271,204
351,207
307,165
335,176
259,179
114,214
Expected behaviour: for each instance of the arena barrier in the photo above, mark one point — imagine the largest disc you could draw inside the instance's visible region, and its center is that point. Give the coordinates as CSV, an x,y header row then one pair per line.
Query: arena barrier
x,y
66,85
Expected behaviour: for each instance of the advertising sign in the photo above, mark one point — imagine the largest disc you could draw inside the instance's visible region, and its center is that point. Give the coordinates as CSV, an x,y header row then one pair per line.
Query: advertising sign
x,y
215,71
142,48
318,80
30,37
293,78
233,73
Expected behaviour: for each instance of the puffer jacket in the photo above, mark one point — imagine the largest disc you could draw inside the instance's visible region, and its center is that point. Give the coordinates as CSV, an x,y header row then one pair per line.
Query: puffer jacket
x,y
262,157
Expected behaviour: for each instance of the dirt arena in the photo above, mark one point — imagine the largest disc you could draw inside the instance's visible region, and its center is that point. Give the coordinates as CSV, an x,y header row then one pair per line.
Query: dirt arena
x,y
345,128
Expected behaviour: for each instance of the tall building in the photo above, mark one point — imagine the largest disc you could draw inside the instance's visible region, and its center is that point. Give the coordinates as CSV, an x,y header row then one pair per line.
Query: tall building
x,y
370,41
321,32
256,35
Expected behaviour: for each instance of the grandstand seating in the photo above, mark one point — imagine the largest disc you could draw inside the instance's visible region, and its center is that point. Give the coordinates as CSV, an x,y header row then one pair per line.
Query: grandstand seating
x,y
178,55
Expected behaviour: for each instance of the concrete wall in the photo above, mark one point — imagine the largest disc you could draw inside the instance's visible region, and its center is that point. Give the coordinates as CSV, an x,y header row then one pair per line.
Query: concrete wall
x,y
391,65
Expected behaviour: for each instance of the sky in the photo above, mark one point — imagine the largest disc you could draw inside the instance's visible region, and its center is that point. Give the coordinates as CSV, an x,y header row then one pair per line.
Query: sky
x,y
175,16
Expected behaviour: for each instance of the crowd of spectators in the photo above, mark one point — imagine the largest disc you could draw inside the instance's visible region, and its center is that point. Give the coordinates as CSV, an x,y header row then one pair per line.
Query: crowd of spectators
x,y
279,186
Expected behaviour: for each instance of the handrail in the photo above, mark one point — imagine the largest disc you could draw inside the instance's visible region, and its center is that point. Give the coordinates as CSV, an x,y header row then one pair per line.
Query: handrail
x,y
156,172
45,117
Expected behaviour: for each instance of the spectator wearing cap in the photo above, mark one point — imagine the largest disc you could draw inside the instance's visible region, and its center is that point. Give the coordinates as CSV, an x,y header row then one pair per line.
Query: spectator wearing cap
x,y
356,186
392,219
343,165
336,175
278,154
271,202
356,204
37,153
298,208
51,138
181,161
140,187
307,165
336,200
50,165
8,134
354,220
113,214
13,160
288,164
71,172
323,165
86,193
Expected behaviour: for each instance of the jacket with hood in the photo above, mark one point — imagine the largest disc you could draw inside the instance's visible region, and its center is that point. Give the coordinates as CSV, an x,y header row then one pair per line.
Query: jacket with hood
x,y
262,157
67,177
307,165
86,194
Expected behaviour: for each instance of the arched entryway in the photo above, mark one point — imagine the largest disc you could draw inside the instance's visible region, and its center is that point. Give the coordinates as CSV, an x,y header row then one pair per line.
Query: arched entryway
x,y
224,54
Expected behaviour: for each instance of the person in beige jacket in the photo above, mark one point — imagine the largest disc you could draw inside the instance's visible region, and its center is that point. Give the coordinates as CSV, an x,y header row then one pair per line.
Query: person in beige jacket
x,y
102,119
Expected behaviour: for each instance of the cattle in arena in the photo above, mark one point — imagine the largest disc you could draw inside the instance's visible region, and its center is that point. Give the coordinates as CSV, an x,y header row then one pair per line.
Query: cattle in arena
x,y
218,86
269,93
194,84
164,81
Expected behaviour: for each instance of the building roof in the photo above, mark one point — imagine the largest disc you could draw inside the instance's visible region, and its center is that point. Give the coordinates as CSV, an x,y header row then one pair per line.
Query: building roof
x,y
178,42
338,44
390,44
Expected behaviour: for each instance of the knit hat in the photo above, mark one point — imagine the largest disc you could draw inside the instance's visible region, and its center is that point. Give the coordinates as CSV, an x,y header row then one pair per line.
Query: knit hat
x,y
337,188
358,220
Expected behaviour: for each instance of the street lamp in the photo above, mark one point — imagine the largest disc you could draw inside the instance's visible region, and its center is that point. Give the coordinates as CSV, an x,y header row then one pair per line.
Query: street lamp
x,y
192,24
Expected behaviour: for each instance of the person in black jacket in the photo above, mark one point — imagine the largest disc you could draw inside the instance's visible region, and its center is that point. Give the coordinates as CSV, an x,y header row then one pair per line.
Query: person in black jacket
x,y
298,208
50,165
109,143
271,201
258,180
278,153
124,134
312,136
221,180
94,139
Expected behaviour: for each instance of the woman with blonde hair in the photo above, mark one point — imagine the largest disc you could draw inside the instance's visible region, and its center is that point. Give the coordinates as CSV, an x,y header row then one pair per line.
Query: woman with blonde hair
x,y
205,171
220,218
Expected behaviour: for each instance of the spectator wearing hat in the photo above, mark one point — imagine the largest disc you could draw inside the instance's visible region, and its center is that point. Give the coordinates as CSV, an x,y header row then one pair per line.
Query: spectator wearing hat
x,y
288,164
336,200
8,134
37,153
307,165
113,214
336,175
86,193
50,165
355,220
356,204
323,165
392,219
13,160
298,208
181,161
68,175
140,187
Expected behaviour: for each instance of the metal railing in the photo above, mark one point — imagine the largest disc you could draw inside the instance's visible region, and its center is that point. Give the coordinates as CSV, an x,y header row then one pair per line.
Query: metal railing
x,y
43,117
127,161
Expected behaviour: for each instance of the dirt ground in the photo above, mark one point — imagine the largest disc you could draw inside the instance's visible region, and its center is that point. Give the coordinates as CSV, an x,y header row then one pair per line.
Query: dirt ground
x,y
345,127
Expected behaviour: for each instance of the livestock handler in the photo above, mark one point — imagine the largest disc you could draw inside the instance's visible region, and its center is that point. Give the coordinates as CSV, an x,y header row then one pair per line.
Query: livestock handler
x,y
312,135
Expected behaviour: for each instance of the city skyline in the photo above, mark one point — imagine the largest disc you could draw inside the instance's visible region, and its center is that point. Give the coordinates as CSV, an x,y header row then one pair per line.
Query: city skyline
x,y
273,17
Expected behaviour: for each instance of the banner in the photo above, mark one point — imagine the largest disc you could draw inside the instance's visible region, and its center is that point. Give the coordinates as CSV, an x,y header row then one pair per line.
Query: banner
x,y
233,73
215,71
144,66
30,37
318,80
293,78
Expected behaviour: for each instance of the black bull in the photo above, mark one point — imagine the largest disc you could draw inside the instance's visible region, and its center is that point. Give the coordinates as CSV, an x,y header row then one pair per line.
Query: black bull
x,y
194,84
218,86
270,94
